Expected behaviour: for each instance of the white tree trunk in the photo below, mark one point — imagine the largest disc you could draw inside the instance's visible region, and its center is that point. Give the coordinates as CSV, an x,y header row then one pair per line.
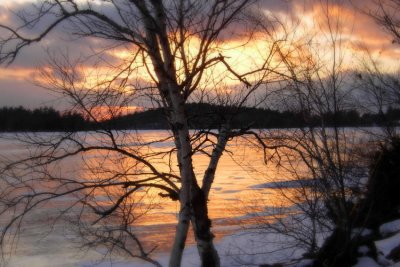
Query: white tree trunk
x,y
180,239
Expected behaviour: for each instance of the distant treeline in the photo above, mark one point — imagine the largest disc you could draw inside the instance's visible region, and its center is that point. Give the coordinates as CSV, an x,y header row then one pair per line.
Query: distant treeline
x,y
201,116
208,116
41,119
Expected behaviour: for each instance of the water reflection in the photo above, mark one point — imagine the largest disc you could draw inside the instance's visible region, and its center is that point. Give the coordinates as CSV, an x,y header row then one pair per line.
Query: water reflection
x,y
232,200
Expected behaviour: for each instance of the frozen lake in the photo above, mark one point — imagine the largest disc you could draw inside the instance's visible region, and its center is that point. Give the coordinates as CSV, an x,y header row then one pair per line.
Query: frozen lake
x,y
240,189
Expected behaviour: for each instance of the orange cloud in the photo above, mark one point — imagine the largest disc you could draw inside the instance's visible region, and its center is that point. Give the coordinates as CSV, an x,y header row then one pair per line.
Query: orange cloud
x,y
17,73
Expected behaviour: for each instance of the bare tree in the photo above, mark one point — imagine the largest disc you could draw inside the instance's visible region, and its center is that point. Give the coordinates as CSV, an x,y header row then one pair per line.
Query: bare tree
x,y
379,91
383,79
179,45
322,157
385,13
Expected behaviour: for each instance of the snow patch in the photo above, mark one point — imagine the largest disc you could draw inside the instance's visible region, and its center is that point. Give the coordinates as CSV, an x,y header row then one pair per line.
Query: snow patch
x,y
390,227
385,246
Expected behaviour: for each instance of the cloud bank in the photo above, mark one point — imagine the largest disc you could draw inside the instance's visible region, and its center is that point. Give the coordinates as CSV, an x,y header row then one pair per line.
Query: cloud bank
x,y
359,33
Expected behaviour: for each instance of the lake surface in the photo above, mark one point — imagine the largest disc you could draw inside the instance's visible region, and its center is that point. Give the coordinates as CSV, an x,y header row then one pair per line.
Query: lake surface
x,y
238,191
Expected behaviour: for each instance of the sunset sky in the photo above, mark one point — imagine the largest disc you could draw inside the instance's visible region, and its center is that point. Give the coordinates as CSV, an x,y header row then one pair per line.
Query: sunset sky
x,y
359,33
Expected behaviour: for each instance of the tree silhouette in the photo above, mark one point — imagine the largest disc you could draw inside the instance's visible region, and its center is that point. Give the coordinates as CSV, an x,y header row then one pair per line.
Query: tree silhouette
x,y
181,47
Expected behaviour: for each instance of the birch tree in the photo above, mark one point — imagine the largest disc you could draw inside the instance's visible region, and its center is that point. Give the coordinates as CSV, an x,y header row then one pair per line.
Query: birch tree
x,y
180,46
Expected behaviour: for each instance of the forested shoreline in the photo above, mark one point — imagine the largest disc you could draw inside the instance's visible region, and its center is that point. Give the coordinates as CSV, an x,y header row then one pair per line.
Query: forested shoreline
x,y
201,116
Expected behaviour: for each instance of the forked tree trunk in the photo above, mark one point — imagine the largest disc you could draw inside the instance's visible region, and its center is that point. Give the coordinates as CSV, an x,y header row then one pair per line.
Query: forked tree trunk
x,y
198,215
193,201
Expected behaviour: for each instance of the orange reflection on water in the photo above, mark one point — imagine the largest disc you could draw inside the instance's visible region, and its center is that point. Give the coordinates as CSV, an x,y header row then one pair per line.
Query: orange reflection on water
x,y
234,197
237,193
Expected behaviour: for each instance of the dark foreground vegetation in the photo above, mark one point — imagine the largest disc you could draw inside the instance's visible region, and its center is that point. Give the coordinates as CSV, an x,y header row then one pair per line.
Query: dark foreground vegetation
x,y
200,116
369,217
379,205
